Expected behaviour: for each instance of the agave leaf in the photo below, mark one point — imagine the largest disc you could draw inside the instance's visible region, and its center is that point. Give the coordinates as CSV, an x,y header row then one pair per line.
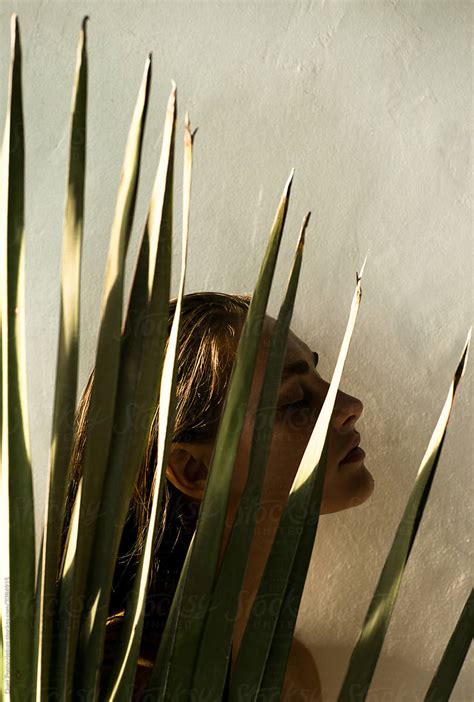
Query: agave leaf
x,y
199,581
124,670
104,391
158,680
217,635
18,532
453,657
276,664
3,531
367,649
66,373
259,647
141,366
275,668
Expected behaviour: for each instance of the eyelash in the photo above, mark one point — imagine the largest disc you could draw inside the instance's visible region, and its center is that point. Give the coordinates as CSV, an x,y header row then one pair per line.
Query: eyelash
x,y
294,406
306,401
297,405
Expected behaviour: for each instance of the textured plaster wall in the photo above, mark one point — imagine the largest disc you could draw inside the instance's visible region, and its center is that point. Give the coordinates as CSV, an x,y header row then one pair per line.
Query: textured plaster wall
x,y
371,102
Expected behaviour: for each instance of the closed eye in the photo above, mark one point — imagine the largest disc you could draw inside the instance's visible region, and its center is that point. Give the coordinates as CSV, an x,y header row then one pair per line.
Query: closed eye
x,y
300,367
297,405
300,404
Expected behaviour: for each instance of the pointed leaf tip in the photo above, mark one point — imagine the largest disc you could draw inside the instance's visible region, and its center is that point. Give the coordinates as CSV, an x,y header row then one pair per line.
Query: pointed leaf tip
x,y
286,189
465,353
173,84
14,36
359,275
83,23
303,230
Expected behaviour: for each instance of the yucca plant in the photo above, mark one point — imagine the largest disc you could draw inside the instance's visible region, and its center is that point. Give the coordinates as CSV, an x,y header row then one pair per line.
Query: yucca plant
x,y
61,629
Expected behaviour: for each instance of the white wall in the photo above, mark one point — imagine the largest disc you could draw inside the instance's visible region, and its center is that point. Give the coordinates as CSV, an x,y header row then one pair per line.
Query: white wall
x,y
371,103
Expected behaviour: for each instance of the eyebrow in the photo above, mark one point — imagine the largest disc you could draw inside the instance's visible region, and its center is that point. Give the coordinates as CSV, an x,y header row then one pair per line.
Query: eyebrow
x,y
298,367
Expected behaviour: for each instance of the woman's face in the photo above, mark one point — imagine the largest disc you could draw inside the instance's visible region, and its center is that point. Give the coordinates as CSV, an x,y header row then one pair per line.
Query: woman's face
x,y
346,484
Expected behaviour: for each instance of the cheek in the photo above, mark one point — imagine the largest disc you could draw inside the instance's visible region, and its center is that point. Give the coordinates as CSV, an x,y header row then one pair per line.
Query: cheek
x,y
285,456
290,439
241,465
288,444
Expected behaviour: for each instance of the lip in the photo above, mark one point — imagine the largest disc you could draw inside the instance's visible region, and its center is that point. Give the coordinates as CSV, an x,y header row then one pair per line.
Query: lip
x,y
353,452
354,456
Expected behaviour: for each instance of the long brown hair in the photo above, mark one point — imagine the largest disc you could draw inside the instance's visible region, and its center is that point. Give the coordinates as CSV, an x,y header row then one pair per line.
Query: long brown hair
x,y
209,327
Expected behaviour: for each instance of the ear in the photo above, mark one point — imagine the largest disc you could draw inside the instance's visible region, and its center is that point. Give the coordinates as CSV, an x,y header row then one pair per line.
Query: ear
x,y
187,468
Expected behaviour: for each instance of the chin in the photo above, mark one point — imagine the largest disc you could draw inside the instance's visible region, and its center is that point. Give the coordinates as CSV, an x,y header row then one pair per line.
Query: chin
x,y
365,487
356,491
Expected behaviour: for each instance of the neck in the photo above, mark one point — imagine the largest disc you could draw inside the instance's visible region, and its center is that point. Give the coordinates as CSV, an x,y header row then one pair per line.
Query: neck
x,y
262,541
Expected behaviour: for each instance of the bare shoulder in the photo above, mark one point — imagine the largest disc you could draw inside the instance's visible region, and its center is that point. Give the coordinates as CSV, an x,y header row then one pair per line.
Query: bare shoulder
x,y
302,681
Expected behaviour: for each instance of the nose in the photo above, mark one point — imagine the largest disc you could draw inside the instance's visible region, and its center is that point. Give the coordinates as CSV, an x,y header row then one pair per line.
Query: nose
x,y
347,410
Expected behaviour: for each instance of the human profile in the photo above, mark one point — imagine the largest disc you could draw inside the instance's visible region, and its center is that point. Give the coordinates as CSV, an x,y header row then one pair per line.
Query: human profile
x,y
209,332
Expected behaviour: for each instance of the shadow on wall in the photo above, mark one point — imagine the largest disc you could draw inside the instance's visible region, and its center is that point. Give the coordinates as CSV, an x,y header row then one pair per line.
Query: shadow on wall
x,y
396,679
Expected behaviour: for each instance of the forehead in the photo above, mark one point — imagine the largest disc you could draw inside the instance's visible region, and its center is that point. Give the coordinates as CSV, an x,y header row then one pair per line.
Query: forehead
x,y
296,347
296,350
